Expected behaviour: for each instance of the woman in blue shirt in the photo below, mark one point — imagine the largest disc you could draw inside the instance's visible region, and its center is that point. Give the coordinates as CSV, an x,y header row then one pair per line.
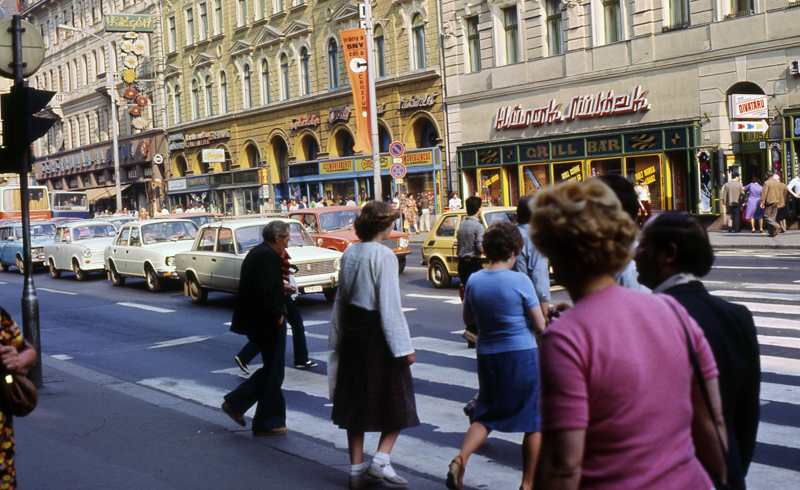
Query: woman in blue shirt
x,y
504,305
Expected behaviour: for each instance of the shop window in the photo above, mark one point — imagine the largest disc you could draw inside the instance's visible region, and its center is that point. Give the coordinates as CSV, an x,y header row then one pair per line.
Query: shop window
x,y
228,161
470,183
380,51
248,88
333,64
223,93
609,166
209,96
647,167
567,171
418,35
535,178
491,191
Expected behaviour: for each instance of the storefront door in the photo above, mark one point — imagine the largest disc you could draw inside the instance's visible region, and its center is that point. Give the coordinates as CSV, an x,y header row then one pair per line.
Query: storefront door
x,y
753,167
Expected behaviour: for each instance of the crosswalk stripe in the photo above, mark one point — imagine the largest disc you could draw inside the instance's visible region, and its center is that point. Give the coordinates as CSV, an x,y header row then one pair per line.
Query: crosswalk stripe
x,y
411,452
146,307
778,435
777,287
764,477
769,322
757,295
447,347
743,267
432,296
780,365
770,308
774,392
791,342
182,341
57,291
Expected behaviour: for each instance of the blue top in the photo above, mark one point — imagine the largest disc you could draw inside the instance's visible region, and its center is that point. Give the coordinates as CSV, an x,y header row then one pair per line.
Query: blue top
x,y
499,300
533,264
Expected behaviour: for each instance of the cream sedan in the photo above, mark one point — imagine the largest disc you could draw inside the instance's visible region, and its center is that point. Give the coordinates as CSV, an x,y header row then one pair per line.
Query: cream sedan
x,y
78,247
147,249
215,261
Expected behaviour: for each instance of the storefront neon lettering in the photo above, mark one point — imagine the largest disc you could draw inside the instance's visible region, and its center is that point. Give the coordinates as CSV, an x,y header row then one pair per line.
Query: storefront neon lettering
x,y
603,103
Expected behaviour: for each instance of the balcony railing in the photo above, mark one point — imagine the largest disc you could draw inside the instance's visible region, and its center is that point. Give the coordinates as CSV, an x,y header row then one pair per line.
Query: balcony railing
x,y
741,13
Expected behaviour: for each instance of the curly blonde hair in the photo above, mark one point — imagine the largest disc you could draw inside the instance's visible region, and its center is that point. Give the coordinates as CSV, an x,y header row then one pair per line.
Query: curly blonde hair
x,y
582,228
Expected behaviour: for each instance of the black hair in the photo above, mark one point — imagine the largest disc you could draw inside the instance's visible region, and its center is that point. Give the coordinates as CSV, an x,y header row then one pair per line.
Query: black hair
x,y
501,239
625,192
473,204
693,249
524,210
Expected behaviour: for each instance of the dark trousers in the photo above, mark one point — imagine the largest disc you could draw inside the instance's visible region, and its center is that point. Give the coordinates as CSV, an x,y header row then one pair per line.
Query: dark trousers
x,y
735,214
770,212
299,346
264,386
468,266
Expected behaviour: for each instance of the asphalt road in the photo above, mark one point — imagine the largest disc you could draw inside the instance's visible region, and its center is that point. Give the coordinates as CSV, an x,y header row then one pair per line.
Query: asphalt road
x,y
165,342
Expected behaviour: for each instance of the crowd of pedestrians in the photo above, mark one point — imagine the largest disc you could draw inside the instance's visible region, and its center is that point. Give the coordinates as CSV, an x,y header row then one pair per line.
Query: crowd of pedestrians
x,y
644,381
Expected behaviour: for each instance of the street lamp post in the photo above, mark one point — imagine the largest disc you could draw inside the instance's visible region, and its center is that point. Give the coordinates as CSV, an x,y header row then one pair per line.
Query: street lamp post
x,y
114,121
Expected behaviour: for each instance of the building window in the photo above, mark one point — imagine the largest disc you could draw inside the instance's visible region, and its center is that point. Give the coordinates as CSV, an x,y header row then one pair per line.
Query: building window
x,y
195,100
278,5
248,88
223,93
177,104
173,35
511,28
285,77
418,35
242,13
305,72
209,96
203,21
740,7
678,13
218,16
333,64
474,44
265,95
380,51
612,21
262,9
189,26
554,29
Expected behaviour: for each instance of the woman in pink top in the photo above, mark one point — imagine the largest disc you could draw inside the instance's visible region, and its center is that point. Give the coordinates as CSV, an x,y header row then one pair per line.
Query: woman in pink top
x,y
620,407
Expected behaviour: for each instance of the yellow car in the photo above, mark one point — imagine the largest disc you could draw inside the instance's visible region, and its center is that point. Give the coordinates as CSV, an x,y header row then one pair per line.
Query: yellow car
x,y
439,248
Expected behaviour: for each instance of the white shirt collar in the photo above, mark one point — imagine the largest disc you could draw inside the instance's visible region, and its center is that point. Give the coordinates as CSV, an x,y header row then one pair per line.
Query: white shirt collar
x,y
681,278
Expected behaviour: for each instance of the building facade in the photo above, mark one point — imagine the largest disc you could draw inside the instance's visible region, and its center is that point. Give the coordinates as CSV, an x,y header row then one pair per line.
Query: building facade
x,y
680,93
76,153
260,104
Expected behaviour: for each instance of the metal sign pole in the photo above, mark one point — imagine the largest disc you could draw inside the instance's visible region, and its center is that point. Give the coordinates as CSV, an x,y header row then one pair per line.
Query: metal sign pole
x,y
373,115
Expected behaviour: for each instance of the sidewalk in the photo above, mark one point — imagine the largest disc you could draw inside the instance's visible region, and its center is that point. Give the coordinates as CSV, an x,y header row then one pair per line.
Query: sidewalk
x,y
92,431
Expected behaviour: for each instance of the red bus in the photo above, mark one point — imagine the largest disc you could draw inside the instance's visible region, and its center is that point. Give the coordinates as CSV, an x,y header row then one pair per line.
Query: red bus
x,y
11,205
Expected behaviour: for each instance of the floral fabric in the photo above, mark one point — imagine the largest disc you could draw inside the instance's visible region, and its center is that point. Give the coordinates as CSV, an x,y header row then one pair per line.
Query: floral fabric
x,y
10,334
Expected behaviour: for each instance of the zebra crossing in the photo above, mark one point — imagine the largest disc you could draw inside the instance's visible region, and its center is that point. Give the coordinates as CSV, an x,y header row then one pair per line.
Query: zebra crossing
x,y
446,373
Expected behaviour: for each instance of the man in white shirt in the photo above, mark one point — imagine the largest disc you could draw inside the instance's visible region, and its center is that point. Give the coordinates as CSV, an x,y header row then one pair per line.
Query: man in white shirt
x,y
350,202
794,189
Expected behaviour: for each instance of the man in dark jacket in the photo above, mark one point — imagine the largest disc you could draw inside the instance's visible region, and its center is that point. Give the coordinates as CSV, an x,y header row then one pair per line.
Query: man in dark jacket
x,y
259,314
673,254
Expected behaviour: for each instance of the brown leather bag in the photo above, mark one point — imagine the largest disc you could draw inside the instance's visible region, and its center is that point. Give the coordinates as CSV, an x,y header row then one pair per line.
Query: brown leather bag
x,y
18,395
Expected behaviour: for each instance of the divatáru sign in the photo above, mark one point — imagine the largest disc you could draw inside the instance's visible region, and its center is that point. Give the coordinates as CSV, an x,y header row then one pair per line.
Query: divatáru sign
x,y
604,103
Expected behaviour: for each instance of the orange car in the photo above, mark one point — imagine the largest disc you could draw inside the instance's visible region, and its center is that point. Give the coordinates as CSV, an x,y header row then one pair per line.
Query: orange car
x,y
332,227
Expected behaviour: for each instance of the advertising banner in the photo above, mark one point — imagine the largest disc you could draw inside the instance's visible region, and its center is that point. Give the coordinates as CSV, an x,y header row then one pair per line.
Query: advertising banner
x,y
748,106
704,164
355,55
128,23
214,156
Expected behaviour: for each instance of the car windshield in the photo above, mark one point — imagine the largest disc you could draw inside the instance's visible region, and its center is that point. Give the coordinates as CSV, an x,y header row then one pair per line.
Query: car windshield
x,y
491,217
168,232
93,231
46,229
250,236
337,220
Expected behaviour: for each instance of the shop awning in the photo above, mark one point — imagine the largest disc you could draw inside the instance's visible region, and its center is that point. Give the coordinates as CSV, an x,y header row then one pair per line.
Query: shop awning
x,y
108,192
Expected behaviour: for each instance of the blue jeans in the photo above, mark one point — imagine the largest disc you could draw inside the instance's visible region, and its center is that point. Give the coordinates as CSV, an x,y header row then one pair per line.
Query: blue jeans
x,y
251,349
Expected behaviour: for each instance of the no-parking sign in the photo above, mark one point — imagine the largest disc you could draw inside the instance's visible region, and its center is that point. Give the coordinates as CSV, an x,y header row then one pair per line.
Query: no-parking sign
x,y
398,171
397,149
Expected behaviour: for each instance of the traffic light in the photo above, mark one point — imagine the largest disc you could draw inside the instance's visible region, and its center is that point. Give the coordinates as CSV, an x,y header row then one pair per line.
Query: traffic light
x,y
20,126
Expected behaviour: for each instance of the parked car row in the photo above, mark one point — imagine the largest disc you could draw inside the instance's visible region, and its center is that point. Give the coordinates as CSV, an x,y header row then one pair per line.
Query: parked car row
x,y
11,254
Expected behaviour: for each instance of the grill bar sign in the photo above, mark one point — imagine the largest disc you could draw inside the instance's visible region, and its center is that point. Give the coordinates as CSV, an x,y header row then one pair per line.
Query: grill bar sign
x,y
214,156
748,106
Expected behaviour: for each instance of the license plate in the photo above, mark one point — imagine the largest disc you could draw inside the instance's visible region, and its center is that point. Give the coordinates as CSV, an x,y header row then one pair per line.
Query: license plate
x,y
312,289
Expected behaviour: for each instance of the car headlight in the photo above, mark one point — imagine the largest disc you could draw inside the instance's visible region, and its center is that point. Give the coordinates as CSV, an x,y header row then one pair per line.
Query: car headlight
x,y
403,242
337,264
87,252
349,244
170,261
38,250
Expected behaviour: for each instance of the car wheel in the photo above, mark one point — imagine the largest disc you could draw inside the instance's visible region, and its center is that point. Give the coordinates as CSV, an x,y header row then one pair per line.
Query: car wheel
x,y
116,279
79,274
439,275
21,265
330,294
4,267
402,264
152,280
196,292
53,271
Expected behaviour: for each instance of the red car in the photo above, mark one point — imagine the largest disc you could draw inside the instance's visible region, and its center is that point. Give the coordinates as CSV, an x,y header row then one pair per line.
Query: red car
x,y
332,227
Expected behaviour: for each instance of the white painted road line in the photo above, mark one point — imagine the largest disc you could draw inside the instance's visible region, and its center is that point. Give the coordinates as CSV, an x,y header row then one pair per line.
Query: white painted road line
x,y
146,307
763,477
773,392
1,282
57,291
447,347
770,308
756,295
748,267
183,341
444,375
780,365
791,342
769,322
62,357
315,322
432,296
778,435
777,287
406,310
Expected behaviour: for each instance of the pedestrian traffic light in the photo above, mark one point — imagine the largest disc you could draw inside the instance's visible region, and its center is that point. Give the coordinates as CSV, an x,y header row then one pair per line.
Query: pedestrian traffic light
x,y
20,126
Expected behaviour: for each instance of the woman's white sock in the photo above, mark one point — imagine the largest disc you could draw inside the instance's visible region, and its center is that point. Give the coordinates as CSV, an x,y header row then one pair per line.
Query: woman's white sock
x,y
357,469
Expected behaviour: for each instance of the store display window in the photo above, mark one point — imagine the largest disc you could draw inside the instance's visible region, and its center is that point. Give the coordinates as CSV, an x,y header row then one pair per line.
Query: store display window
x,y
568,171
535,178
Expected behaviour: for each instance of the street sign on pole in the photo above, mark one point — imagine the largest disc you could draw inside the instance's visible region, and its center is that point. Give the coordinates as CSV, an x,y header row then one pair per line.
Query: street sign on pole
x,y
32,49
397,148
398,171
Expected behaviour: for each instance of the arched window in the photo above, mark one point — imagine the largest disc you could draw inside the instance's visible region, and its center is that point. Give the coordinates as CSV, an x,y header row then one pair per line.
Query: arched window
x,y
195,99
380,51
209,96
305,72
285,77
248,88
95,70
418,37
176,100
333,64
265,95
223,93
68,84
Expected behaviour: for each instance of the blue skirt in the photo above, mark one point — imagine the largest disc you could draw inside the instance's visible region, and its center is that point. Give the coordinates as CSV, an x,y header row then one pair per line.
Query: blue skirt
x,y
509,391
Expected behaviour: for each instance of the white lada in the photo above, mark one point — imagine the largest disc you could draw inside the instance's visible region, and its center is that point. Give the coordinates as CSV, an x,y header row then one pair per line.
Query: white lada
x,y
78,247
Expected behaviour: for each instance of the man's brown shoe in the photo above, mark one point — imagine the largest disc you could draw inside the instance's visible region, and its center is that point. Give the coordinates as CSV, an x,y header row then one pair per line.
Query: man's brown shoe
x,y
232,413
278,431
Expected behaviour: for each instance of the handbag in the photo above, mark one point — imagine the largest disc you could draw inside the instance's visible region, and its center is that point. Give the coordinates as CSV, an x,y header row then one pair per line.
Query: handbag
x,y
17,395
742,198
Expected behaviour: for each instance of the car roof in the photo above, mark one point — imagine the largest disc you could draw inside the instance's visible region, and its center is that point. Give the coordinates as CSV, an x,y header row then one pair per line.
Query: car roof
x,y
325,209
245,222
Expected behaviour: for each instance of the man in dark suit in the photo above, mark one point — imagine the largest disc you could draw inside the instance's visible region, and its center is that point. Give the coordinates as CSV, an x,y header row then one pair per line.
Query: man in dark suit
x,y
673,254
259,314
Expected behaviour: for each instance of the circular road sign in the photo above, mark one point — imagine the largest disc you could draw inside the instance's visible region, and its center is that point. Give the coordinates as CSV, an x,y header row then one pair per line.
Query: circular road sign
x,y
158,158
397,149
32,49
398,171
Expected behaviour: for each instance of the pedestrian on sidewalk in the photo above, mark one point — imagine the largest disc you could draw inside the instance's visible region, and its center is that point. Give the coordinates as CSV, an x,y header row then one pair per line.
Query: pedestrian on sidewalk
x,y
783,211
259,314
609,419
504,305
753,210
674,253
425,217
410,211
772,198
730,199
373,391
469,250
17,356
643,192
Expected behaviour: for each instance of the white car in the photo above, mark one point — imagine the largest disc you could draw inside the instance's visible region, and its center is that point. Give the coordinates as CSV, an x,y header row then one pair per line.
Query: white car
x,y
78,247
215,261
147,249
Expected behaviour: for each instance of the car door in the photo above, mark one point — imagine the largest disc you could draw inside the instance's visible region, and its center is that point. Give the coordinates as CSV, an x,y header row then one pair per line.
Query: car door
x,y
61,249
4,245
134,257
119,250
224,261
201,258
